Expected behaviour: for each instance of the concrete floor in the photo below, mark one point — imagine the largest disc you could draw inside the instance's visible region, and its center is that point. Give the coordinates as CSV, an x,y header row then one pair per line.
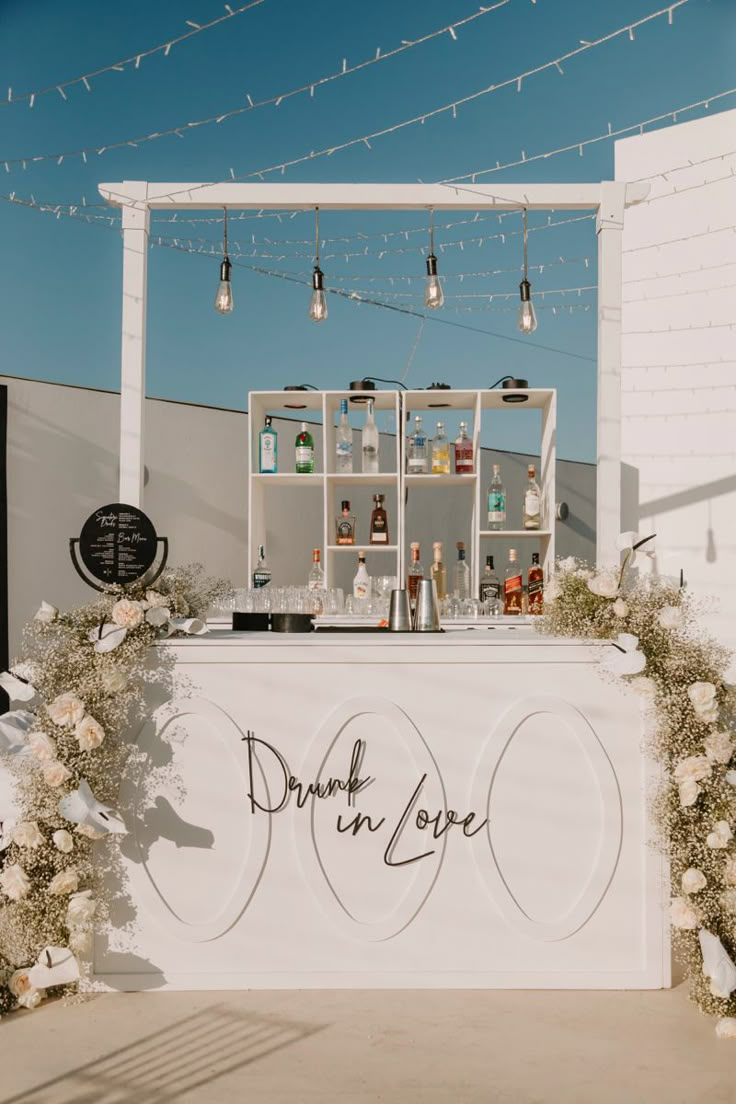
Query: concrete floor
x,y
359,1047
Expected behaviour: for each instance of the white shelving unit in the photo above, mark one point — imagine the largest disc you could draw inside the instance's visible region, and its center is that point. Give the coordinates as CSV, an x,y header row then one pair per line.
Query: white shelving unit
x,y
328,486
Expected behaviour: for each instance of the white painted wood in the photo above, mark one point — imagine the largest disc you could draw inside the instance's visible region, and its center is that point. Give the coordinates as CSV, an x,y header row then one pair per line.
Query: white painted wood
x,y
136,224
548,481
558,891
610,225
361,197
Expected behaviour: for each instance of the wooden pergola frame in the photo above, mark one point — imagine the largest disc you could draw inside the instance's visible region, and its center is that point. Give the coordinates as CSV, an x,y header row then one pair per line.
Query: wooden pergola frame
x,y
609,199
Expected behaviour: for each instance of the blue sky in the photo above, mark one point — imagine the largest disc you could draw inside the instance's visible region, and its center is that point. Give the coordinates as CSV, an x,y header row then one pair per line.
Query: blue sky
x,y
61,278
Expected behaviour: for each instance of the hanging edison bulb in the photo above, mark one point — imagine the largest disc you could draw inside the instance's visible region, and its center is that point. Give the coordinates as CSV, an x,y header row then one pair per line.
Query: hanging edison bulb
x,y
433,294
527,320
318,302
224,295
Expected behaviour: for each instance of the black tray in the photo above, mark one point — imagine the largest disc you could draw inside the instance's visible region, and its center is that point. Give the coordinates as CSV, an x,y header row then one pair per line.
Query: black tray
x,y
251,622
291,622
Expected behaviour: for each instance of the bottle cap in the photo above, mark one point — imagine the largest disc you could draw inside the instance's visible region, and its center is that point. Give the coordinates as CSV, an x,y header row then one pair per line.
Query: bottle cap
x,y
345,504
496,469
489,561
463,425
343,406
531,469
268,419
459,545
304,427
437,546
414,550
316,555
535,559
361,557
512,555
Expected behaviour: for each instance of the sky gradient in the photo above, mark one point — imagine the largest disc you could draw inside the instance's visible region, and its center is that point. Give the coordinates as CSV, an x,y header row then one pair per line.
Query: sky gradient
x,y
61,281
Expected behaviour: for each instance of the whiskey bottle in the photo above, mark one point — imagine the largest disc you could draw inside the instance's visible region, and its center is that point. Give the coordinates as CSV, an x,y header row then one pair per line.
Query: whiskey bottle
x,y
379,522
535,586
343,442
262,573
304,451
463,452
415,573
438,572
316,580
513,588
532,501
362,581
417,460
345,525
440,452
490,584
268,444
496,501
461,580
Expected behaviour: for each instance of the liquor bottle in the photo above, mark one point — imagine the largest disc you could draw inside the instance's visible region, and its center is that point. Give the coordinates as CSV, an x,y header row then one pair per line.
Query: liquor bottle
x,y
362,581
463,452
268,448
438,571
496,501
532,501
304,451
370,442
316,580
262,573
415,574
535,585
379,521
461,579
345,525
440,452
344,442
417,460
513,586
490,584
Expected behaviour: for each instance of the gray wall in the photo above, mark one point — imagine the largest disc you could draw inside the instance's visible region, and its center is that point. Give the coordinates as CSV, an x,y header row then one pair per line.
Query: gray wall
x,y
63,462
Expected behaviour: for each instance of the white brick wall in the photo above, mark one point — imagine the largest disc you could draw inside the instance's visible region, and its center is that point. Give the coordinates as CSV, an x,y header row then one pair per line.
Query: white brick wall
x,y
679,351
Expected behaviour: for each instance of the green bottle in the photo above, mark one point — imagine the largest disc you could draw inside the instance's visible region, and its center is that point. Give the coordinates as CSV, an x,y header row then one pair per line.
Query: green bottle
x,y
304,451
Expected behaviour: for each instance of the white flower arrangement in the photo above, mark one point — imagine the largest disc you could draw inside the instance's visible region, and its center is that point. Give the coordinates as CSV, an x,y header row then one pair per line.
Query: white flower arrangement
x,y
686,684
69,753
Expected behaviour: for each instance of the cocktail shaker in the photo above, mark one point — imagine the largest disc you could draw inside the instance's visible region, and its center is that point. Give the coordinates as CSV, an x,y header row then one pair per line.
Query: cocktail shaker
x,y
399,615
426,614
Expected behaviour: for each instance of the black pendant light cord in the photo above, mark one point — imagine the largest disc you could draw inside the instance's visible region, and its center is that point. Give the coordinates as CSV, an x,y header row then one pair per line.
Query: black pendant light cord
x,y
500,381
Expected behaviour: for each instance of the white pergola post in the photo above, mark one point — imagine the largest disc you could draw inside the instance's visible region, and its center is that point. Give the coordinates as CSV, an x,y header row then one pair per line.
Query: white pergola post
x,y
609,227
136,223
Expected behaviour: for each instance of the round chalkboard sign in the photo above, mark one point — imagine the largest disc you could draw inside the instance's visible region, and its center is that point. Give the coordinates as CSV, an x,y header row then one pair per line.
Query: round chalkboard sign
x,y
118,544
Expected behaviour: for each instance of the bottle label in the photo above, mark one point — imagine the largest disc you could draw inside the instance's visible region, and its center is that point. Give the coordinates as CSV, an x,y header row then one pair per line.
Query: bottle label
x,y
531,503
379,535
413,586
535,592
361,590
261,579
304,454
417,465
490,591
314,584
464,459
268,453
345,532
344,449
512,590
496,507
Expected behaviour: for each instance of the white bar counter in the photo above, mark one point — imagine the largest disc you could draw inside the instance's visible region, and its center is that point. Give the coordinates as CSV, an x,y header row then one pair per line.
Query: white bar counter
x,y
480,822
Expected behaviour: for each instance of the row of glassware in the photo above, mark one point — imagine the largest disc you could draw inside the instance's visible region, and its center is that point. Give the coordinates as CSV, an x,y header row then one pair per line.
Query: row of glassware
x,y
332,601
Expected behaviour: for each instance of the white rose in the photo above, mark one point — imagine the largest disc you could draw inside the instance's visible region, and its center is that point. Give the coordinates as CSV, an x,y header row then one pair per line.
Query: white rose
x,y
728,899
708,714
620,608
721,835
67,709
55,773
80,941
729,872
718,747
552,591
726,1027
127,614
682,915
46,613
692,769
569,563
27,834
670,617
158,616
114,680
42,747
63,841
89,832
14,882
65,882
643,686
81,909
689,793
26,994
89,733
605,586
693,880
701,694
155,600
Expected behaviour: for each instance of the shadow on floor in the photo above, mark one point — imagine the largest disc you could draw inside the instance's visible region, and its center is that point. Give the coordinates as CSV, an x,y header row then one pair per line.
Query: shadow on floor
x,y
161,1067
